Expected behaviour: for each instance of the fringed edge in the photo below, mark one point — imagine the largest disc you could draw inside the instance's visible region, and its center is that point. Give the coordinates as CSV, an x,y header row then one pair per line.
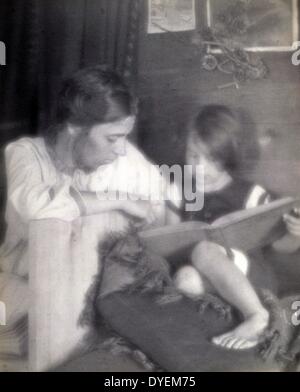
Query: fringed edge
x,y
216,303
117,345
89,314
274,341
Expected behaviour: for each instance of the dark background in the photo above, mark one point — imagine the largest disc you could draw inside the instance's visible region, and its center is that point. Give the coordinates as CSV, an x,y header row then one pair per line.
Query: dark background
x,y
49,39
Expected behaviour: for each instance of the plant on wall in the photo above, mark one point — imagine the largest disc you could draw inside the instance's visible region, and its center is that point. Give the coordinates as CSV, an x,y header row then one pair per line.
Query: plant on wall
x,y
219,50
230,58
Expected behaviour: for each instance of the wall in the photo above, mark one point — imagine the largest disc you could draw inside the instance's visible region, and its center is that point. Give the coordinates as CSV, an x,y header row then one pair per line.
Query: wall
x,y
172,85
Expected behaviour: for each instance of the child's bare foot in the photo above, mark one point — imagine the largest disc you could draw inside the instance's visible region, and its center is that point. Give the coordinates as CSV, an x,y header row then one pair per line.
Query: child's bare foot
x,y
246,335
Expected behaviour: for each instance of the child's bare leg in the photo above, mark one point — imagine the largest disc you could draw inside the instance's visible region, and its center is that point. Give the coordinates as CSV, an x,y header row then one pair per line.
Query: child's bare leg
x,y
210,260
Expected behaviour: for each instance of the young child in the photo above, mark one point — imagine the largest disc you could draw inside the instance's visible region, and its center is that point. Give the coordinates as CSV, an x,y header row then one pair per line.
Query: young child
x,y
214,141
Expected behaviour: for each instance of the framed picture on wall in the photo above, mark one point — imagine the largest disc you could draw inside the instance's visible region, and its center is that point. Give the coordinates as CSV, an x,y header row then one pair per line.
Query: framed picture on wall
x,y
171,15
258,25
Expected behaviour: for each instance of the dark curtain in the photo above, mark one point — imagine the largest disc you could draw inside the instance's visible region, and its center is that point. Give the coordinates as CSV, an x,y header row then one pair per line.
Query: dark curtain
x,y
18,30
47,40
78,33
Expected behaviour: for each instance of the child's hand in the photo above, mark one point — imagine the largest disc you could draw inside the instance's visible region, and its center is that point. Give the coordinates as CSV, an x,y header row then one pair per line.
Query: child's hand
x,y
293,222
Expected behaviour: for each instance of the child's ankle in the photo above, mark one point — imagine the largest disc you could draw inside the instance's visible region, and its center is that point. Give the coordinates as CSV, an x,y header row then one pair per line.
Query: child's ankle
x,y
260,313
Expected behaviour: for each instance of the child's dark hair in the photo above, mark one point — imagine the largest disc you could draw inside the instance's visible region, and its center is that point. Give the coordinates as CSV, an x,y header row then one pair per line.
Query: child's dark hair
x,y
219,128
92,96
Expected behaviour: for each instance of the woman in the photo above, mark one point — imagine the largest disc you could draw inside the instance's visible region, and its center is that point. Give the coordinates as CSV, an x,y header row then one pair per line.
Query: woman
x,y
65,174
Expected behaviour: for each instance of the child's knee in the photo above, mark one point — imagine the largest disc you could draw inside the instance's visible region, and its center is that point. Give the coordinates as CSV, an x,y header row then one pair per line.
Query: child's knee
x,y
188,280
206,252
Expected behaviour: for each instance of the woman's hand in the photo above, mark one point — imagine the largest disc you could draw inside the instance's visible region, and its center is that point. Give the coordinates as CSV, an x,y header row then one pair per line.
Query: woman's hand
x,y
293,222
140,209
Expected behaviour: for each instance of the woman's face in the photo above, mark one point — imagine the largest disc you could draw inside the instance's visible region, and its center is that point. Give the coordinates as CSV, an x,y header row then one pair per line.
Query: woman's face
x,y
197,153
103,144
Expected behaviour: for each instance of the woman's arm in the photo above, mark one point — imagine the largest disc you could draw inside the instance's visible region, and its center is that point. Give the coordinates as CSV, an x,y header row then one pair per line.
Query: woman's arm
x,y
94,203
33,198
29,192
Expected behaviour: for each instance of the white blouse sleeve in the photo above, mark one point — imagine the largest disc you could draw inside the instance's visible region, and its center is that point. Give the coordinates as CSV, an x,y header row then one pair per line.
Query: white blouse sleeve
x,y
28,191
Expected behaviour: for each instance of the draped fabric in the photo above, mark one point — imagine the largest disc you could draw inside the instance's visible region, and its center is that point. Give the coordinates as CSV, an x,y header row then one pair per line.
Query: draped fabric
x,y
18,31
49,39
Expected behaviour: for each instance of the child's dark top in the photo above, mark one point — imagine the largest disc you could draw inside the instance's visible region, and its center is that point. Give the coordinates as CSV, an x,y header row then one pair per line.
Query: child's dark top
x,y
238,195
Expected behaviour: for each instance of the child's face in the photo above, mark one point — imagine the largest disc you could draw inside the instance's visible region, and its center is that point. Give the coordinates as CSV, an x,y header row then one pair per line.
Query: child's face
x,y
197,153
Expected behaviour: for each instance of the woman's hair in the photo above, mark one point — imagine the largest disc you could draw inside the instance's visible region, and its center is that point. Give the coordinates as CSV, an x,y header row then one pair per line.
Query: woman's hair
x,y
92,96
219,128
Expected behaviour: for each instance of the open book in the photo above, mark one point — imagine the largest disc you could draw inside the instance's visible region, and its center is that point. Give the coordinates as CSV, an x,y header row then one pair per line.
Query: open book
x,y
245,229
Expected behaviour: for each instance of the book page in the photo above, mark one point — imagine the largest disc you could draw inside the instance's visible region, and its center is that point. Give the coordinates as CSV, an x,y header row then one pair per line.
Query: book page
x,y
254,228
287,203
169,239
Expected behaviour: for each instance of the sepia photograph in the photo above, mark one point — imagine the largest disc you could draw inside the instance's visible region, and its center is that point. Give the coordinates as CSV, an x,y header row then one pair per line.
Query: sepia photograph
x,y
149,188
